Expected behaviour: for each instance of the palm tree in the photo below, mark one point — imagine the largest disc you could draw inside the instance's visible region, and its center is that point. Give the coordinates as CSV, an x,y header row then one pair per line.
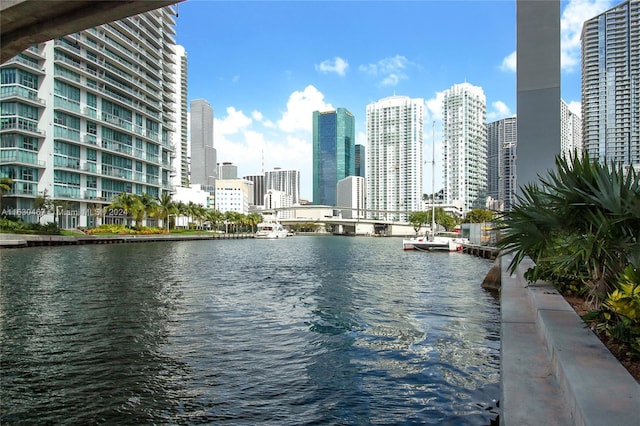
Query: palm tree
x,y
195,212
253,219
230,219
149,206
581,224
128,205
199,214
215,217
165,208
5,186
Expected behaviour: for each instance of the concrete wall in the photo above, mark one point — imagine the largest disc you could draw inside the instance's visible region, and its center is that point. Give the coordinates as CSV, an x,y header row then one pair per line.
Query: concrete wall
x,y
538,88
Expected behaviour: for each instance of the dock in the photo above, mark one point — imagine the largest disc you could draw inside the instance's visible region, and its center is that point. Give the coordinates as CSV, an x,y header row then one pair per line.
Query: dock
x,y
485,252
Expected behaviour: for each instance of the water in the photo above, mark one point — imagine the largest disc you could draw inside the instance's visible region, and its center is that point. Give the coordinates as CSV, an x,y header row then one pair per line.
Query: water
x,y
306,330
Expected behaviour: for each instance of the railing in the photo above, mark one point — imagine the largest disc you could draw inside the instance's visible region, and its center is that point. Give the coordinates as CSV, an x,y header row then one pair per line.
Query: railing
x,y
20,156
20,92
113,119
23,61
19,123
116,172
66,133
68,104
116,146
66,162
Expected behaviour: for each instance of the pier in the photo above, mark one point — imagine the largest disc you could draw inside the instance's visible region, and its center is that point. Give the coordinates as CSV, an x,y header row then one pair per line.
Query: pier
x,y
485,252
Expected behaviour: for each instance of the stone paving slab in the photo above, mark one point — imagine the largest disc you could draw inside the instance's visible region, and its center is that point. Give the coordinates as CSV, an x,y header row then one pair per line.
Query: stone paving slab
x,y
555,371
599,390
530,393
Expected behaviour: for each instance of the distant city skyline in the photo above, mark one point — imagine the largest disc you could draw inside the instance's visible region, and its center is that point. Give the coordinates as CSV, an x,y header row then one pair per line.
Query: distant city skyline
x,y
264,84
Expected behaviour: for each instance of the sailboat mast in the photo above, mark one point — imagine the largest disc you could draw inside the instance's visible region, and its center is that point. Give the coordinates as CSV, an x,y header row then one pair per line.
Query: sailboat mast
x,y
433,179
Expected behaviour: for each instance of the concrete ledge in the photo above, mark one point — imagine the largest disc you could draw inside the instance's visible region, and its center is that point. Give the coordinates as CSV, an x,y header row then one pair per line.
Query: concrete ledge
x,y
30,240
530,393
587,382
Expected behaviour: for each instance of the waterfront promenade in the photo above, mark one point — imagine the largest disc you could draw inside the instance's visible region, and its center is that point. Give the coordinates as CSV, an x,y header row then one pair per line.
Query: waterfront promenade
x,y
554,370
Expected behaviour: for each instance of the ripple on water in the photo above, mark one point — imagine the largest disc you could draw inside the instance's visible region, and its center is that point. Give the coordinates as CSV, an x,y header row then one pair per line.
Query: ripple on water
x,y
316,330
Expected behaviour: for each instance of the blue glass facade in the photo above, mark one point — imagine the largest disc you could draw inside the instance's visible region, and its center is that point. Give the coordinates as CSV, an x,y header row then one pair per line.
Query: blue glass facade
x,y
359,161
333,153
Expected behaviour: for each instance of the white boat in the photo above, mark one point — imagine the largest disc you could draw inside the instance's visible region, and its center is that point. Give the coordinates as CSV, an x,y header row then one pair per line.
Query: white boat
x,y
446,241
271,230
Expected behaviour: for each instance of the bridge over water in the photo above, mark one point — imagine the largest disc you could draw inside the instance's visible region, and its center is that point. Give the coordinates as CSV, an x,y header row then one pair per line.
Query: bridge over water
x,y
346,220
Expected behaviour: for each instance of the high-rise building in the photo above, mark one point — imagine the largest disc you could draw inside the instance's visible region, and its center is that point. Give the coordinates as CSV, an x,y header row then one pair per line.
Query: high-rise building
x,y
203,155
570,131
277,202
394,157
351,194
287,181
90,115
360,161
502,138
227,170
257,198
464,132
333,153
233,195
611,85
181,162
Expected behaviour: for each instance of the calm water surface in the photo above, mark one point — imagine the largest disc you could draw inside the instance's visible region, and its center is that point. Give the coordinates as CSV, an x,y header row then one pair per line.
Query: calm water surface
x,y
306,330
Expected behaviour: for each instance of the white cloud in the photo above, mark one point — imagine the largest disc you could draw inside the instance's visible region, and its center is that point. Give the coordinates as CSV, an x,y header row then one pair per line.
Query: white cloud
x,y
571,21
295,153
575,107
391,69
509,63
434,107
499,111
259,118
336,65
255,144
232,123
300,107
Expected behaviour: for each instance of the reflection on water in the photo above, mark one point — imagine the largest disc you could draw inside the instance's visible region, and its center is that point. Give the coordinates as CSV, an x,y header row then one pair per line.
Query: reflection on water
x,y
323,330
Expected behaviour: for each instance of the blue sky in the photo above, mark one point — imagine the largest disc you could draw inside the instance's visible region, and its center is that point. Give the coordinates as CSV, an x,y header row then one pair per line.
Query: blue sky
x,y
265,66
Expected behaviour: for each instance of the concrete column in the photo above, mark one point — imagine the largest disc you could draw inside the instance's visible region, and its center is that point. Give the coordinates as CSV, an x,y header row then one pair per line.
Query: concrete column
x,y
538,88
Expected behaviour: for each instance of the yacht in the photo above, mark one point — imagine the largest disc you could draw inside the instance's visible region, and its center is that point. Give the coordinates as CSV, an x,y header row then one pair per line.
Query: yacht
x,y
270,230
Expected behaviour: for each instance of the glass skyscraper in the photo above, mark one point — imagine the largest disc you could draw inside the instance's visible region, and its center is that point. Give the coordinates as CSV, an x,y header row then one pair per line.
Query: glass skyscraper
x,y
204,168
91,115
502,141
611,85
333,153
360,161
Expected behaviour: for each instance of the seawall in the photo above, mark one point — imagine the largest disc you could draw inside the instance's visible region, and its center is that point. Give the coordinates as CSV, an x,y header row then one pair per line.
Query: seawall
x,y
27,240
